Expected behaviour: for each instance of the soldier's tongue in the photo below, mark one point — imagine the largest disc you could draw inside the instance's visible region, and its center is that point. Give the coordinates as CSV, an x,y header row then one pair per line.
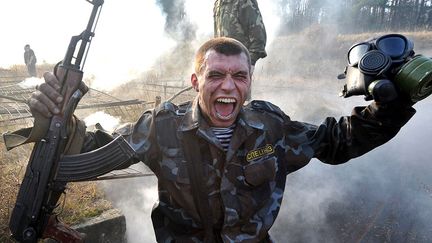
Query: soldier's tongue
x,y
224,109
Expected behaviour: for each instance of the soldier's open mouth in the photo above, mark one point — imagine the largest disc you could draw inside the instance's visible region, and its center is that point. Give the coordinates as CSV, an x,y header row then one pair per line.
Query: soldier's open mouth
x,y
225,107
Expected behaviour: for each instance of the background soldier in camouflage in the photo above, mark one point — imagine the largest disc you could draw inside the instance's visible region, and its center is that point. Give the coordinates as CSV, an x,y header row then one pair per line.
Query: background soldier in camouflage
x,y
241,20
244,181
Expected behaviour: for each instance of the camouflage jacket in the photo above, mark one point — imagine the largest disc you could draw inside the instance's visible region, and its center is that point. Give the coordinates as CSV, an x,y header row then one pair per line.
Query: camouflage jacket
x,y
241,20
245,184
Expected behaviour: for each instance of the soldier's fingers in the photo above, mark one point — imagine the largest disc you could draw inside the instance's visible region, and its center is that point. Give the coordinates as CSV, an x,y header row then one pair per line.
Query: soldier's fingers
x,y
40,103
52,80
38,109
50,92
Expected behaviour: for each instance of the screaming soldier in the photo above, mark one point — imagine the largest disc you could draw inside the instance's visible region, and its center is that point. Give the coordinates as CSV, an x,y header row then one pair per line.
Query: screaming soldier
x,y
222,166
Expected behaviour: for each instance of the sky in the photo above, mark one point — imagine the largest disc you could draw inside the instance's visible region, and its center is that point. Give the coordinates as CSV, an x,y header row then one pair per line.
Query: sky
x,y
128,38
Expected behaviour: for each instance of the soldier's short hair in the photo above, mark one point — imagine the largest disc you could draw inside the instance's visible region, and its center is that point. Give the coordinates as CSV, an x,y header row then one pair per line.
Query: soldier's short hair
x,y
224,45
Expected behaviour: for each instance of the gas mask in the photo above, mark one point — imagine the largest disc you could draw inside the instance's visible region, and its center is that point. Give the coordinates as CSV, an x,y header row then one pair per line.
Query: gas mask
x,y
373,63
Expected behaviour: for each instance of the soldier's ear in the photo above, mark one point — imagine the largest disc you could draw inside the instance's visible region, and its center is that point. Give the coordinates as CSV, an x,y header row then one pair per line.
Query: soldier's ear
x,y
194,82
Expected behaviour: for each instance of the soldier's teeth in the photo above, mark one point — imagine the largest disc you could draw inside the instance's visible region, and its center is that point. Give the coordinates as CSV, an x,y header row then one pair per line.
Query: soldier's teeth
x,y
226,100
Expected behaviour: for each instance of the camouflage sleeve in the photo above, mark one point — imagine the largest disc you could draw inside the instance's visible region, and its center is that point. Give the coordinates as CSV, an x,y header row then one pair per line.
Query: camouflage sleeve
x,y
352,136
250,17
139,135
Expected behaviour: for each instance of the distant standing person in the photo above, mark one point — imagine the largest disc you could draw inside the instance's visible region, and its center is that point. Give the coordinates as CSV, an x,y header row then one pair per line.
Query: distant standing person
x,y
241,20
30,60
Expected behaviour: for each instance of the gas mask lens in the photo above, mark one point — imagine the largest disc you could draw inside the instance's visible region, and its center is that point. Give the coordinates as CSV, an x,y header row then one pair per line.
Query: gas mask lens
x,y
395,46
356,52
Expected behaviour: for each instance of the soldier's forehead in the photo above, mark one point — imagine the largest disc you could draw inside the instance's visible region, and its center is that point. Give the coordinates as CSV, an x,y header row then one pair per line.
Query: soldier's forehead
x,y
212,55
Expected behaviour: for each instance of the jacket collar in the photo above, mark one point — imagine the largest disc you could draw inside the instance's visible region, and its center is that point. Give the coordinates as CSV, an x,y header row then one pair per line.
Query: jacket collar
x,y
192,117
246,124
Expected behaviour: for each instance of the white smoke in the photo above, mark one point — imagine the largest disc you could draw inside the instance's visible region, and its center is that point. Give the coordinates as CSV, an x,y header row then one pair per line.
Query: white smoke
x,y
108,122
135,197
386,188
382,196
31,82
129,37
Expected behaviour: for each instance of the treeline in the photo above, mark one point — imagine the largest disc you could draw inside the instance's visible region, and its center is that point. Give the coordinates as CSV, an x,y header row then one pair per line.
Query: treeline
x,y
353,16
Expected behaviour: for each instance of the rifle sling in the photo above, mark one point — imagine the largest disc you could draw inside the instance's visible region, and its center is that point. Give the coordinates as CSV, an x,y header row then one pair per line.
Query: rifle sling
x,y
86,166
196,175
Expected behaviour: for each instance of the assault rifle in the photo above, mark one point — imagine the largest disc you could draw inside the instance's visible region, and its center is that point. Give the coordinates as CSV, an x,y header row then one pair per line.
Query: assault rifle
x,y
49,168
32,217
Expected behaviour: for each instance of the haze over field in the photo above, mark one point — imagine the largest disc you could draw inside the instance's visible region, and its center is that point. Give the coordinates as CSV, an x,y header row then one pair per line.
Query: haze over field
x,y
130,35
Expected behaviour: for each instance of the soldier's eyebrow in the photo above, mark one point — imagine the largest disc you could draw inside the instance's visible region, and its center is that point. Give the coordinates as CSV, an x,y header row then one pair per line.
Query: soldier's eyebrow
x,y
241,73
215,72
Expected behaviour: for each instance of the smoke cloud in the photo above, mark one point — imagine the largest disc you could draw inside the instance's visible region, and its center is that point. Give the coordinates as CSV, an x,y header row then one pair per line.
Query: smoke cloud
x,y
177,24
108,122
383,196
30,82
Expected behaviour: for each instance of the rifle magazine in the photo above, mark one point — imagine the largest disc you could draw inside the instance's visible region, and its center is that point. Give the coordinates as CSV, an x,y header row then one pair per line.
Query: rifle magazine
x,y
88,166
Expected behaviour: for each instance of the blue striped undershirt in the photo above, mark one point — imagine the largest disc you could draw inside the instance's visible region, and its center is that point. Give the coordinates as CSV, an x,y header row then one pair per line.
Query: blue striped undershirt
x,y
224,134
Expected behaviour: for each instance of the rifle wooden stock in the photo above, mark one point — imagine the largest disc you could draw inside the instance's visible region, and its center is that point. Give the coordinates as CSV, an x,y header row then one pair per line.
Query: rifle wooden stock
x,y
60,232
